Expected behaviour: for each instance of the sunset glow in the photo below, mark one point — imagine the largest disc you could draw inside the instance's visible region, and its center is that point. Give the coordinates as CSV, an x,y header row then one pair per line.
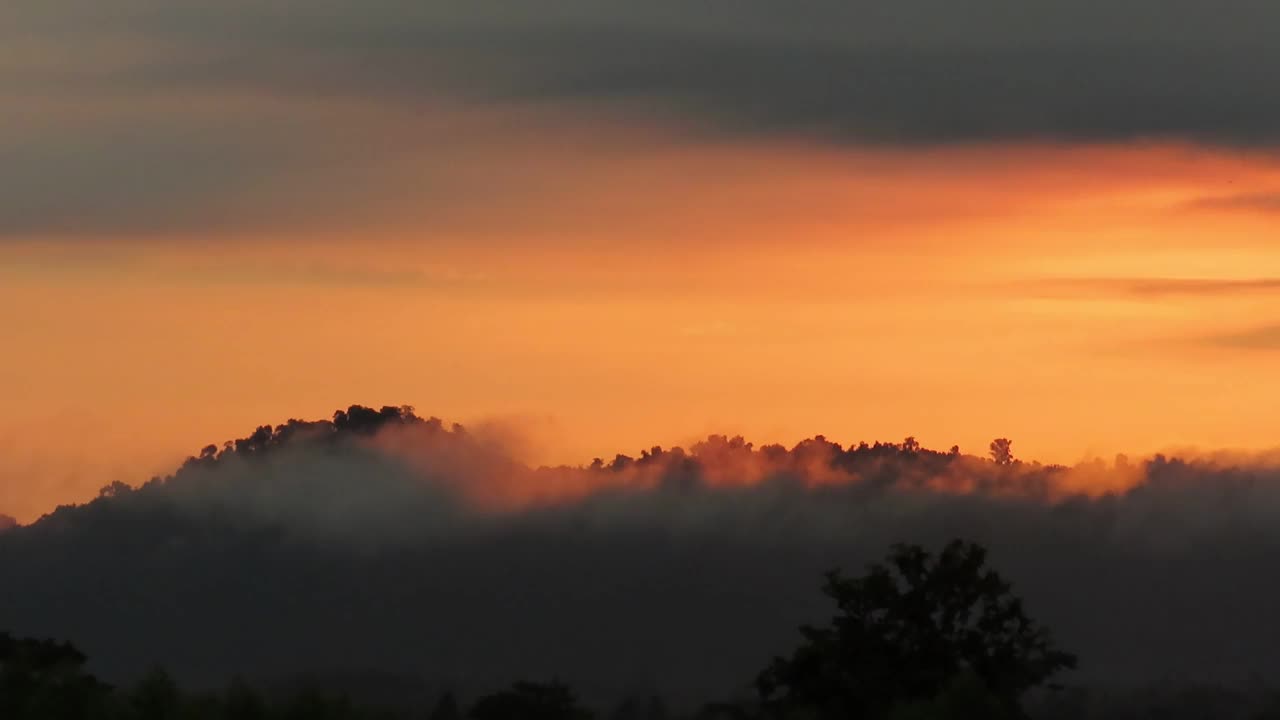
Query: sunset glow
x,y
859,223
1087,299
661,360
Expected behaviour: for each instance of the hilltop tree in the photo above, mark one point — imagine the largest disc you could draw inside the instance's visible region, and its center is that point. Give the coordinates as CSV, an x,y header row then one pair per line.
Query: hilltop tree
x,y
1001,450
915,629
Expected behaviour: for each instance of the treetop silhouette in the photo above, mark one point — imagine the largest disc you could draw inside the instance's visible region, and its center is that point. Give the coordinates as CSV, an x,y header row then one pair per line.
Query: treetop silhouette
x,y
908,629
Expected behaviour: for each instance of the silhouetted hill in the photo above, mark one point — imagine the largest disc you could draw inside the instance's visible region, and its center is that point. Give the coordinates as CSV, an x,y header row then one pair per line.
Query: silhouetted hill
x,y
379,540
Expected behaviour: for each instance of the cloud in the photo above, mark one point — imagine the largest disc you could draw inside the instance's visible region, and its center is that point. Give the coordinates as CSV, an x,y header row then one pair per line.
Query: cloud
x,y
141,176
922,72
377,540
1266,337
1160,286
1261,202
191,116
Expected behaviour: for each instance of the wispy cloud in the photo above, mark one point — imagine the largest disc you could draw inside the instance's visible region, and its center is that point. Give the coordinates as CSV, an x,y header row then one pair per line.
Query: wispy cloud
x,y
1257,202
246,271
1265,337
1154,286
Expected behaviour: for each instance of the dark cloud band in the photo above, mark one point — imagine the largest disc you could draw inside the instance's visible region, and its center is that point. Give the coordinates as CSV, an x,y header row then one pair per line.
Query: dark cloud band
x,y
922,72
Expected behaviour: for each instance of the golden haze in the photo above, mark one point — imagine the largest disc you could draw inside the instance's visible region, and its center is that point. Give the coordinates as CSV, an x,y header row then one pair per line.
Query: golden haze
x,y
1079,299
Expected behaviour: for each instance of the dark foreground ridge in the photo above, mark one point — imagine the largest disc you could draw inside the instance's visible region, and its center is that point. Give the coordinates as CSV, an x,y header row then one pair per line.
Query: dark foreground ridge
x,y
917,635
367,550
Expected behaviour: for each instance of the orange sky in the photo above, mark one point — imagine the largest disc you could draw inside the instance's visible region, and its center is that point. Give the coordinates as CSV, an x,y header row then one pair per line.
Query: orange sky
x,y
612,293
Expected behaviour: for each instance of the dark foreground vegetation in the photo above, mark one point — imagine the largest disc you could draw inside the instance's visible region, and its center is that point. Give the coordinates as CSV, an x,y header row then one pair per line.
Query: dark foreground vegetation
x,y
656,586
917,637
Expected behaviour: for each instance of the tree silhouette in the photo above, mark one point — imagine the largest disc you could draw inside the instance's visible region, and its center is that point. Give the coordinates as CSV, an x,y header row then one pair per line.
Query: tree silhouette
x,y
242,702
530,701
636,708
45,679
1002,451
446,708
156,696
908,630
115,489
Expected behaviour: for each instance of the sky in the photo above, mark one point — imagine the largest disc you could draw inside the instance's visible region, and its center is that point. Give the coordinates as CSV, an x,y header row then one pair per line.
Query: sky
x,y
608,225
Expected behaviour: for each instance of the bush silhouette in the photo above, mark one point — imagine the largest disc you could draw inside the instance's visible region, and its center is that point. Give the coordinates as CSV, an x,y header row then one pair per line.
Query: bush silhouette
x,y
45,679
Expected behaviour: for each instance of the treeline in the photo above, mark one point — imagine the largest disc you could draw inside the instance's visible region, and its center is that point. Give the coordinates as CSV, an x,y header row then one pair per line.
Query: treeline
x,y
348,544
709,455
70,694
46,680
717,460
919,636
